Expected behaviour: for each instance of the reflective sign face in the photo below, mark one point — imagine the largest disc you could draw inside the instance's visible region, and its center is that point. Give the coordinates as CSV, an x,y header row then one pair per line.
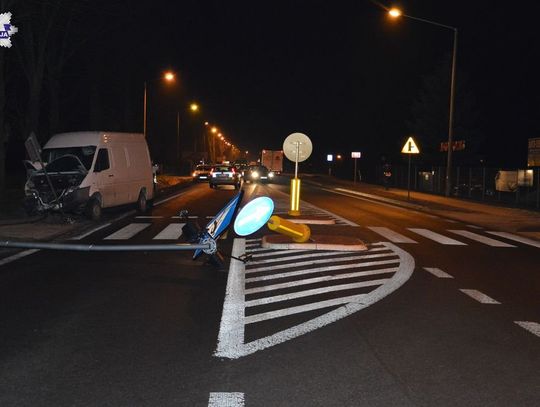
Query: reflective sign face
x,y
329,157
356,154
253,216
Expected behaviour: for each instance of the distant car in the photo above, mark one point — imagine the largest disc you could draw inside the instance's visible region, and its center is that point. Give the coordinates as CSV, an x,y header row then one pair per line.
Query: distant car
x,y
258,173
225,175
202,173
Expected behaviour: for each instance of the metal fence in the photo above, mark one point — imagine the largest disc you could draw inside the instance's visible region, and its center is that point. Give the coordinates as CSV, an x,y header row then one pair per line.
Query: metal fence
x,y
518,187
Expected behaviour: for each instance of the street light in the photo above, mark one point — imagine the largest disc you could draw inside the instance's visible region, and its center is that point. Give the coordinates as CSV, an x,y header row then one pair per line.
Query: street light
x,y
396,13
168,76
194,107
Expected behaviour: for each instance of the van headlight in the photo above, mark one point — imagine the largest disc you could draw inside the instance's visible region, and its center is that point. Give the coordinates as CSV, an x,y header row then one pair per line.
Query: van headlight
x,y
270,174
254,174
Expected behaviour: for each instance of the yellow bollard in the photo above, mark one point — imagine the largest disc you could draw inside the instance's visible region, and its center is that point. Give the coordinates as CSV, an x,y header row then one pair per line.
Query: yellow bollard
x,y
299,232
295,197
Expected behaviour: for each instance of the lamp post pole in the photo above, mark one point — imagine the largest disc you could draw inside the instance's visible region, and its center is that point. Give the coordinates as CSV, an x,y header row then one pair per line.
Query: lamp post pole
x,y
144,111
396,13
451,118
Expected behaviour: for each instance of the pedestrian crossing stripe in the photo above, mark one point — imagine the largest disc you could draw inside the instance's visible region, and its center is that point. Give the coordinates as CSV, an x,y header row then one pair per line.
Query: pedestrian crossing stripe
x,y
173,231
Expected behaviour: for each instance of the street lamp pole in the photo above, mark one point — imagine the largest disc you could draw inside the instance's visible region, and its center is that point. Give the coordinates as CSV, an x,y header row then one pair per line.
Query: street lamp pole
x,y
144,110
395,13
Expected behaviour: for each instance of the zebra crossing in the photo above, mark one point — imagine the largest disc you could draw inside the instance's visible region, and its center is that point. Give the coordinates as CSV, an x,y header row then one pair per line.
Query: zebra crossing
x,y
411,235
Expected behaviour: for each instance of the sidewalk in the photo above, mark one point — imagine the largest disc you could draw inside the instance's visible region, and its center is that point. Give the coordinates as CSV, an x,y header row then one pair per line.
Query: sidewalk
x,y
521,221
16,225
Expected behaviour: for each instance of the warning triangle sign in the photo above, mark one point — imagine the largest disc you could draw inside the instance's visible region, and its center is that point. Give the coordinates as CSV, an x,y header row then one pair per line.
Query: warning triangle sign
x,y
410,147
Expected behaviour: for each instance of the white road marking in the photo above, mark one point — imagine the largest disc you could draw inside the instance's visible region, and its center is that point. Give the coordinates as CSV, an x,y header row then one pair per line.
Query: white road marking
x,y
516,238
320,254
315,280
149,217
532,327
18,256
437,272
314,262
275,253
128,231
302,308
253,240
437,237
90,232
161,201
474,227
231,329
479,296
482,239
231,336
226,400
394,237
314,291
318,270
306,207
173,231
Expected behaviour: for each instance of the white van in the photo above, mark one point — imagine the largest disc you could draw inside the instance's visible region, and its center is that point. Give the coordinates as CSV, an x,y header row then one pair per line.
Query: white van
x,y
90,171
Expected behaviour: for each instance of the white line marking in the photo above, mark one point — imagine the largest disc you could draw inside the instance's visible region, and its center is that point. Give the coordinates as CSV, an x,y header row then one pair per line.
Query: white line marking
x,y
310,206
321,261
226,400
90,232
276,253
149,217
231,330
451,221
128,231
516,238
18,256
474,227
481,239
253,240
437,237
234,349
314,291
532,327
394,237
173,231
437,272
478,296
162,201
339,256
302,308
315,280
317,270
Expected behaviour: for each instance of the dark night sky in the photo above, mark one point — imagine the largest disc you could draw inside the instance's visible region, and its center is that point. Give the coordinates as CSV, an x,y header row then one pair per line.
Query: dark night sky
x,y
339,71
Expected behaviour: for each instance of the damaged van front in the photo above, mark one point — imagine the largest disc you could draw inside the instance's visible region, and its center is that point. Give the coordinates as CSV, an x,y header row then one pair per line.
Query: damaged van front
x,y
61,186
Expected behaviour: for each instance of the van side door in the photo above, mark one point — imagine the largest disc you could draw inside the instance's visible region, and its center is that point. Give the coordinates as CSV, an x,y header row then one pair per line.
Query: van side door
x,y
104,178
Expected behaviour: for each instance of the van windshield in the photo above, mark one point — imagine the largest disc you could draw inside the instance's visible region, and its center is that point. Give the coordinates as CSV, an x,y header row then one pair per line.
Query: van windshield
x,y
85,154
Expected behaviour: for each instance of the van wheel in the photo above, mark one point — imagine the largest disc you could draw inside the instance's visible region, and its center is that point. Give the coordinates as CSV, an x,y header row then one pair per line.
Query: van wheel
x,y
93,209
142,203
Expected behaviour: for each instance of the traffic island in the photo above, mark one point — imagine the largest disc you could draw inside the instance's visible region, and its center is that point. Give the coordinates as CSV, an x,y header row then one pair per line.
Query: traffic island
x,y
316,242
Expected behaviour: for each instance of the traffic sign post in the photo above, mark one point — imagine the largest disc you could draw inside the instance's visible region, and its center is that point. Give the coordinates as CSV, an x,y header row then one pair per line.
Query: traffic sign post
x,y
297,147
356,155
409,148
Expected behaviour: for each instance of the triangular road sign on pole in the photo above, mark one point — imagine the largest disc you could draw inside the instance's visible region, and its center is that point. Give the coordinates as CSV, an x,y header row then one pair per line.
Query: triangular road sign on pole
x,y
410,147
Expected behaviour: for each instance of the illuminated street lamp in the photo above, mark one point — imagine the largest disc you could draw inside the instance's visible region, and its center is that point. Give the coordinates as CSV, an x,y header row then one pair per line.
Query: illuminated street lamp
x,y
194,107
396,13
168,76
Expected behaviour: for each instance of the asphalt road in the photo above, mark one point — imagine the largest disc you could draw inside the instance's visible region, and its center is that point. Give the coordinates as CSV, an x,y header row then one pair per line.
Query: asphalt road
x,y
121,329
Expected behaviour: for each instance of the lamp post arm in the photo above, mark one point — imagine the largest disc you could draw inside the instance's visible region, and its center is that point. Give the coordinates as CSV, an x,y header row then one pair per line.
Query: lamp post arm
x,y
430,22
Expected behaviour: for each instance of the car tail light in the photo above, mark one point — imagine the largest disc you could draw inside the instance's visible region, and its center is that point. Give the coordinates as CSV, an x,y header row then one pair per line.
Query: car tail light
x,y
234,170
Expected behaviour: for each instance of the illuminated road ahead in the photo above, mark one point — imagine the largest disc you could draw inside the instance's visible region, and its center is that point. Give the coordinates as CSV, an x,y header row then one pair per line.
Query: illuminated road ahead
x,y
436,312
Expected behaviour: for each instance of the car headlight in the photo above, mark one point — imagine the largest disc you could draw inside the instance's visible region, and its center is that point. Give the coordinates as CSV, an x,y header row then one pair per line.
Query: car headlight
x,y
255,174
194,174
270,174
